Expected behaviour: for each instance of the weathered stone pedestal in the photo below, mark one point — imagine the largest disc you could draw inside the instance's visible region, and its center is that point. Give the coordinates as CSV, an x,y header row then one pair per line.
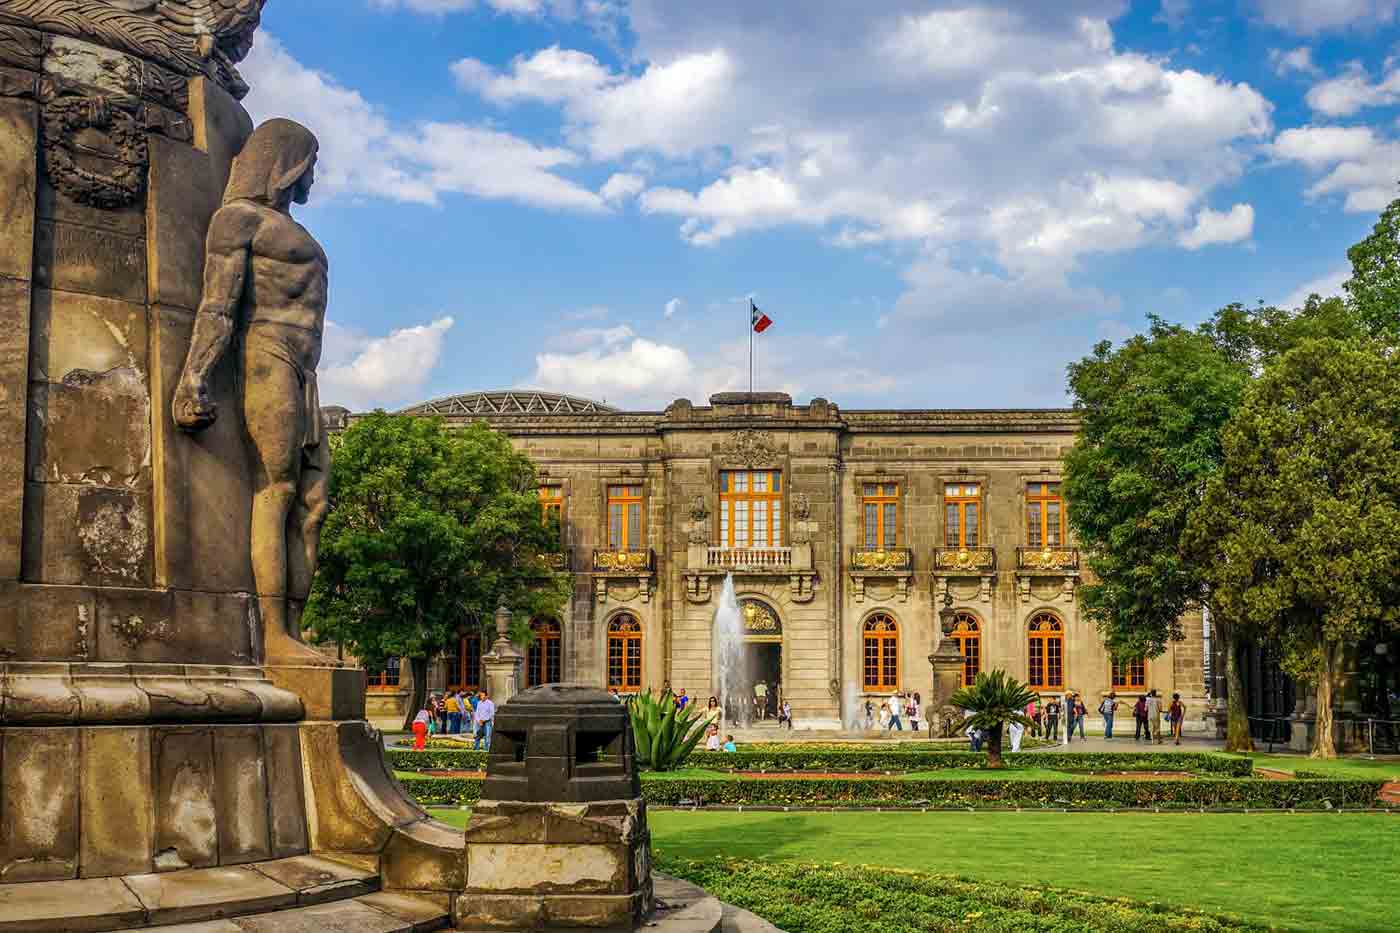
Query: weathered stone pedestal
x,y
560,838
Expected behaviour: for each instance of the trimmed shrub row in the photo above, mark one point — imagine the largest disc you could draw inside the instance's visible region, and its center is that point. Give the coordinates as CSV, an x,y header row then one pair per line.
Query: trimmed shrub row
x,y
838,898
1210,793
876,760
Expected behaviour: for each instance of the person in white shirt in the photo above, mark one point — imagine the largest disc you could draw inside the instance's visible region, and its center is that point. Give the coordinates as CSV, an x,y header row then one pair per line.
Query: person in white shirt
x,y
483,717
712,738
1154,715
1016,731
896,711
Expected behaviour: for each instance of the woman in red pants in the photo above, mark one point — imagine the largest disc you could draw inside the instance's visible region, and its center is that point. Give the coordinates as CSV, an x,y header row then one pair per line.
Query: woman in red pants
x,y
420,730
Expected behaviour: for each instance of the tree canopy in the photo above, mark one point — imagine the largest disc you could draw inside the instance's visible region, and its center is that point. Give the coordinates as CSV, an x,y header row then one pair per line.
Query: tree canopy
x,y
1298,533
429,531
1374,286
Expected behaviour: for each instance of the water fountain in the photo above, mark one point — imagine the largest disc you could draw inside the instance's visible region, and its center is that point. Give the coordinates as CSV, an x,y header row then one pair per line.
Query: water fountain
x,y
731,667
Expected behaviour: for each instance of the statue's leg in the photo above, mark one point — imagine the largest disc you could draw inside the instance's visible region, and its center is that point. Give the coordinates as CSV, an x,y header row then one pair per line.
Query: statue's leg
x,y
304,533
272,411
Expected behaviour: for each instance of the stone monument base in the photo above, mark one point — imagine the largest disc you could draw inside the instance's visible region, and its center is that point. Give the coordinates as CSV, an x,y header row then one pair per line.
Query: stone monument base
x,y
548,866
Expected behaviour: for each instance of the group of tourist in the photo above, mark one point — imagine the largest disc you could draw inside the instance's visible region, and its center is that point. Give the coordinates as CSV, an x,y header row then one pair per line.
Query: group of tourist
x,y
714,710
450,713
1045,719
895,712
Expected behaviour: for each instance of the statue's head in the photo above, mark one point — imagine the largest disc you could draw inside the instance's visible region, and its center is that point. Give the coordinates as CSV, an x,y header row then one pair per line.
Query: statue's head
x,y
277,166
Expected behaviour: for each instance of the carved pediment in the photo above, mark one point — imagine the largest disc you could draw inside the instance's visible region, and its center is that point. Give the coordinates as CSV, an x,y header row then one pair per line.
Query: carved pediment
x,y
750,448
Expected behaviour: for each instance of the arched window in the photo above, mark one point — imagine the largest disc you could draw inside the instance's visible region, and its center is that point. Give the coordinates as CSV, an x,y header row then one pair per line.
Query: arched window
x,y
1047,652
881,638
625,654
464,664
968,634
544,665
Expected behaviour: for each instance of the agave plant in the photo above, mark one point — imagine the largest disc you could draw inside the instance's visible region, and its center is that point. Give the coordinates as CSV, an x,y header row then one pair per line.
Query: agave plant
x,y
665,735
995,699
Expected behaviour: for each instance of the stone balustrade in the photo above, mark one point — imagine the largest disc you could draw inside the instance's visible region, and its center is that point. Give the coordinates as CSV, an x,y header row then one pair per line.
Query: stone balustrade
x,y
749,558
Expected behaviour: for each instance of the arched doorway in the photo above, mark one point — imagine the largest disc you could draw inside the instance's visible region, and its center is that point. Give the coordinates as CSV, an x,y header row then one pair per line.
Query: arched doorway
x,y
763,638
544,662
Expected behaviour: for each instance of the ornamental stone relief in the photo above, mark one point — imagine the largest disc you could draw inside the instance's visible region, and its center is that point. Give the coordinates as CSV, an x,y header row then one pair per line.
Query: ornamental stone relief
x,y
750,448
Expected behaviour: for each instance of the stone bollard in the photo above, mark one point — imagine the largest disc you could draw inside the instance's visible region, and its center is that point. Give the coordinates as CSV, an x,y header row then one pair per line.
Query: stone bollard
x,y
559,838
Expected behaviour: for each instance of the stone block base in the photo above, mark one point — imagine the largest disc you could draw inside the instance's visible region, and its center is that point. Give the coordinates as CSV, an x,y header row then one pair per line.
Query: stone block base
x,y
541,866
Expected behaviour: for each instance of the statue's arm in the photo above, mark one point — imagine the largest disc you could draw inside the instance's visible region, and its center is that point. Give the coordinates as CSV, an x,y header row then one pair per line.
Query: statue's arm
x,y
228,249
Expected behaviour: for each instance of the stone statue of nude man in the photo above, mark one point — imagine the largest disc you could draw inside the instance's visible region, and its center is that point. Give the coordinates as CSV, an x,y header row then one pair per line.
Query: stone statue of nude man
x,y
265,279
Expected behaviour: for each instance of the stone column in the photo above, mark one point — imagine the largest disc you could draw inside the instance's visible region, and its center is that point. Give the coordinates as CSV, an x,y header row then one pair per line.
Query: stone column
x,y
947,664
502,662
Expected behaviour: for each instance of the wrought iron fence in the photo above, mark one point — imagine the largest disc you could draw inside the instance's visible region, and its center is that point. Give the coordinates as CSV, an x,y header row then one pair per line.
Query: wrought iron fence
x,y
1383,736
1271,731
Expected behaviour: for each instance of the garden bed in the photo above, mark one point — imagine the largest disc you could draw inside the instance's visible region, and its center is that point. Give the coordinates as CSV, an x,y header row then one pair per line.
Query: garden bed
x,y
838,899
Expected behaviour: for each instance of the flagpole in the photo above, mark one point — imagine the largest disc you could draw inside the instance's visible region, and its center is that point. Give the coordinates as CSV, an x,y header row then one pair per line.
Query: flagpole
x,y
750,316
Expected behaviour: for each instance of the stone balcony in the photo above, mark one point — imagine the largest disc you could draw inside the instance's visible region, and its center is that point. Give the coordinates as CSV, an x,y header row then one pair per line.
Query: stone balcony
x,y
880,569
617,572
961,563
705,563
1047,565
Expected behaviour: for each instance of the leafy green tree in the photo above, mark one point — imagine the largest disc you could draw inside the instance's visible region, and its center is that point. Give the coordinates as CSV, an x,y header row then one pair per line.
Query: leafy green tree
x,y
665,734
429,531
995,699
1374,286
1151,413
1299,530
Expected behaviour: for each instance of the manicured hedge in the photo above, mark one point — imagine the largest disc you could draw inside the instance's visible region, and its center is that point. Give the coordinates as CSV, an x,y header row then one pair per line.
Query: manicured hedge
x,y
1207,793
805,759
435,759
874,760
839,899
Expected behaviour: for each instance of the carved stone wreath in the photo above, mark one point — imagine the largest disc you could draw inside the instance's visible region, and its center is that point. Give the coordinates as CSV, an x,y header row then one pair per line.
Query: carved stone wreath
x,y
66,116
751,448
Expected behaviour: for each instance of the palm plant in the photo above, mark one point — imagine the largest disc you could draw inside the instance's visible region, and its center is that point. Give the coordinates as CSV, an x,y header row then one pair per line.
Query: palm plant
x,y
995,699
665,734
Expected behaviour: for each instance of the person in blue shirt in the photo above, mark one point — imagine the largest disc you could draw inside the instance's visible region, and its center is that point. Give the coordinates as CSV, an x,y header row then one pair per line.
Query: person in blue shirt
x,y
729,745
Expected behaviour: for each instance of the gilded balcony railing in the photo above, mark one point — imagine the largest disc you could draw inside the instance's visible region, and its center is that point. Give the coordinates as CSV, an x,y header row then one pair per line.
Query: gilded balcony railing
x,y
749,558
893,559
971,560
559,561
624,560
1057,559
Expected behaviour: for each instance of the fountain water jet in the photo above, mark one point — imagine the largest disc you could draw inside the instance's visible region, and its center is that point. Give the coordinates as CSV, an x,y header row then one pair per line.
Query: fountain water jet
x,y
734,680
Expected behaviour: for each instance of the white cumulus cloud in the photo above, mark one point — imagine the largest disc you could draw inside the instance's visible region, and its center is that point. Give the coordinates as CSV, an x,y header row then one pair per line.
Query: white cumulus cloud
x,y
1314,16
360,372
1353,90
1220,227
1356,163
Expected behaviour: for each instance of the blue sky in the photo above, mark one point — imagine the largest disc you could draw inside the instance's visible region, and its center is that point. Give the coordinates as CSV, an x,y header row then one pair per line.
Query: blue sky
x,y
941,204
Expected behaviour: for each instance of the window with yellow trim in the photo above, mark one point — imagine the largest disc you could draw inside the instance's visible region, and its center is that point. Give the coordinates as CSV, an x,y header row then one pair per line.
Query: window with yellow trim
x,y
881,655
544,661
1045,515
963,505
751,508
1131,674
625,654
967,632
552,508
625,517
880,515
1046,654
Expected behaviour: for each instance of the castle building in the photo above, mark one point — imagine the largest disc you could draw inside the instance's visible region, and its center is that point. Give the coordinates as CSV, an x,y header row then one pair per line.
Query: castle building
x,y
847,534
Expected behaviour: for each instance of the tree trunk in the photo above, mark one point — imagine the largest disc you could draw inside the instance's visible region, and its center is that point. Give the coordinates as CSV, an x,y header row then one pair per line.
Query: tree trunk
x,y
1237,737
994,747
419,698
1324,743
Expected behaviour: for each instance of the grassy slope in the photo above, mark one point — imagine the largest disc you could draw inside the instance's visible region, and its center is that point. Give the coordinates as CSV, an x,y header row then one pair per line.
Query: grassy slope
x,y
1336,767
1302,871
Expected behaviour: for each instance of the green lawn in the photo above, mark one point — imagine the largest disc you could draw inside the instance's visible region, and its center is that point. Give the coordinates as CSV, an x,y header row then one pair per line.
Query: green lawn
x,y
1300,871
1385,770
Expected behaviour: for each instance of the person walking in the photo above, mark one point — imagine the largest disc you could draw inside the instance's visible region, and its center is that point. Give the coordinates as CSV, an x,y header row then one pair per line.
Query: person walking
x,y
454,714
760,699
1176,714
1080,714
1016,731
1052,720
896,709
1154,716
469,711
916,712
869,715
785,715
1033,713
420,729
1107,709
1069,717
1140,719
485,716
